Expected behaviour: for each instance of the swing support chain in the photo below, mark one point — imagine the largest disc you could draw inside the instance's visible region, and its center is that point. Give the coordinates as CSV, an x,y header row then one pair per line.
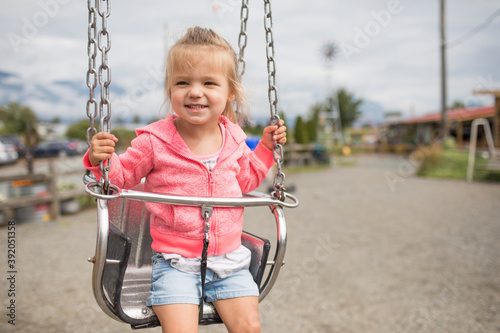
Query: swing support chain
x,y
99,40
279,179
242,38
91,72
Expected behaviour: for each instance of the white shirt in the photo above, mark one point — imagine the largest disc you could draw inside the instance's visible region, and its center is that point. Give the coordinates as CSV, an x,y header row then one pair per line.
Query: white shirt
x,y
223,265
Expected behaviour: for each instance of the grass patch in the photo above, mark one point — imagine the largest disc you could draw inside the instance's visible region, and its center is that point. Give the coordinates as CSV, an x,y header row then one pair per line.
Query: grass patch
x,y
306,168
336,160
346,163
452,164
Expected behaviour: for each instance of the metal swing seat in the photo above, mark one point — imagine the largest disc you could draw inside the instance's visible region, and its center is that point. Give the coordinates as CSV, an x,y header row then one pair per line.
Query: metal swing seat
x,y
121,276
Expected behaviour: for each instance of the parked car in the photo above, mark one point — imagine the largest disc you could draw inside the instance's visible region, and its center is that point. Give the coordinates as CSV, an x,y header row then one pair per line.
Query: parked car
x,y
59,147
8,153
15,140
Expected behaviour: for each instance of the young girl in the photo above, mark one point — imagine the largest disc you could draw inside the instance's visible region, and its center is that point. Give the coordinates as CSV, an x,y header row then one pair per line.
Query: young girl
x,y
197,151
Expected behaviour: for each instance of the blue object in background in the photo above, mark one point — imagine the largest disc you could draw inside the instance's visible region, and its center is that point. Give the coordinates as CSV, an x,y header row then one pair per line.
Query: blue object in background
x,y
252,142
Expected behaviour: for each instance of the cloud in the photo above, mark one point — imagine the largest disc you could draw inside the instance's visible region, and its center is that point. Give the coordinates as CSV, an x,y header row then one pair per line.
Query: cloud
x,y
396,65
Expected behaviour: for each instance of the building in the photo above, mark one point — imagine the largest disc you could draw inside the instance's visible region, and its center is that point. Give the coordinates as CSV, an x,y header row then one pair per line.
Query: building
x,y
425,129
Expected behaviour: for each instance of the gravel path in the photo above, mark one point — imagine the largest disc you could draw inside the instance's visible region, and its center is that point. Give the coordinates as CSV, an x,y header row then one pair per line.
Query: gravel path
x,y
371,249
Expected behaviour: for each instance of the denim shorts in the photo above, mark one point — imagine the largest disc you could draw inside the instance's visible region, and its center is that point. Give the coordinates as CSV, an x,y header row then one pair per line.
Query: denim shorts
x,y
172,286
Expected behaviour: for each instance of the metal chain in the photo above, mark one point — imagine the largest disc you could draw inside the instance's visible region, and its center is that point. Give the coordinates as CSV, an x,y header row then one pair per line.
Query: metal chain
x,y
91,72
242,39
279,179
104,44
101,41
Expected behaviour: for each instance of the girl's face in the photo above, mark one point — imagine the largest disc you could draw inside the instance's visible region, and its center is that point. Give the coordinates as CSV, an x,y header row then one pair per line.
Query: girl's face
x,y
199,94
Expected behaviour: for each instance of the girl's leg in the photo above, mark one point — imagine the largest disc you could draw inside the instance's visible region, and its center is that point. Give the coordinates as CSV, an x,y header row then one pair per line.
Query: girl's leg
x,y
177,318
239,314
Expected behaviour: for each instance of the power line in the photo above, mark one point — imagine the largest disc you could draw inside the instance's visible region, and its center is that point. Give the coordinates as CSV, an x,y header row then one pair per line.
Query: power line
x,y
474,31
433,50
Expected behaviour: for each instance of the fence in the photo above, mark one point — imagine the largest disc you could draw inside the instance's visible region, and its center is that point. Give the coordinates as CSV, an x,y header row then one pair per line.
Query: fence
x,y
23,193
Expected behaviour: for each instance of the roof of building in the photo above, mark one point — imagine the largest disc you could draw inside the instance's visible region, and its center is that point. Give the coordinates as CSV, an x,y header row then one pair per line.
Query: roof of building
x,y
456,114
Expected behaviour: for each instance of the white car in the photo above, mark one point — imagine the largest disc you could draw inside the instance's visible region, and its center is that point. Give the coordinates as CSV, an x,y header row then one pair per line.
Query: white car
x,y
8,153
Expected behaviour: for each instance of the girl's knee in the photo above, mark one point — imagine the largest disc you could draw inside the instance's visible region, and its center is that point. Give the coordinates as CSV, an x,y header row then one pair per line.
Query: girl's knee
x,y
250,324
253,327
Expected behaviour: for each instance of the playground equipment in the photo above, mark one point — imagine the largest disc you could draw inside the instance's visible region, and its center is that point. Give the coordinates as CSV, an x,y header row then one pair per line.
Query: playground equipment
x,y
122,261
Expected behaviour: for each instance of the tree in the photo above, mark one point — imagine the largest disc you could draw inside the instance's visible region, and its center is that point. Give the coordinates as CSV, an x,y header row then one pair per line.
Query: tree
x,y
78,130
456,105
21,120
15,119
300,133
348,105
312,123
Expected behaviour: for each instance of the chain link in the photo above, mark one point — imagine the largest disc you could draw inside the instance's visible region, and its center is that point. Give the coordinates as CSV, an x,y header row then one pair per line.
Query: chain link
x,y
99,40
91,72
242,39
279,179
104,44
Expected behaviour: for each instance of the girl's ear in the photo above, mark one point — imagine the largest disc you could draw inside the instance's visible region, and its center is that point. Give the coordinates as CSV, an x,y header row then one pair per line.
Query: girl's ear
x,y
231,97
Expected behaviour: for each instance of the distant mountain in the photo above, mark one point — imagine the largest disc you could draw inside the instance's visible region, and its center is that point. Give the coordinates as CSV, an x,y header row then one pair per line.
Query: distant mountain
x,y
81,87
48,99
4,75
372,114
9,83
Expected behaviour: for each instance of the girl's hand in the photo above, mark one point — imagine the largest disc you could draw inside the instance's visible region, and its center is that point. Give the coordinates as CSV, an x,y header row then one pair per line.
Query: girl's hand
x,y
274,133
102,146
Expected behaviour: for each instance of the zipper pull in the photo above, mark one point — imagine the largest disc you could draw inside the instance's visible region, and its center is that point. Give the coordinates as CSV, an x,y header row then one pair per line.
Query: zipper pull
x,y
211,178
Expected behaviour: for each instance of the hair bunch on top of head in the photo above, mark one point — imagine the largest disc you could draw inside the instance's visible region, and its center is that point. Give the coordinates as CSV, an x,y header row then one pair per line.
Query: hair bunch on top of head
x,y
200,42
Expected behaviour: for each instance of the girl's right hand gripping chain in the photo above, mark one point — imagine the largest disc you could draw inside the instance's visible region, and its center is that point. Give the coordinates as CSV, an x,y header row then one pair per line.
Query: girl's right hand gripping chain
x,y
102,146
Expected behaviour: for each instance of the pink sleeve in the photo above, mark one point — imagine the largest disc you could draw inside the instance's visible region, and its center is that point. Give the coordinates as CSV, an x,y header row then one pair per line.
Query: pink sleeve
x,y
254,168
130,167
96,170
264,154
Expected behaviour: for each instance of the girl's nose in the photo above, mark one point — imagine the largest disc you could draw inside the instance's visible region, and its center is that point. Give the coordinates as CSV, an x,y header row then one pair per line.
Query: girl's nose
x,y
195,91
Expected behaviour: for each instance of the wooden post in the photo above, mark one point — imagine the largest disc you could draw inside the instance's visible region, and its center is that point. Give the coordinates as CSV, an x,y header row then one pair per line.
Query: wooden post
x,y
460,134
496,116
55,207
496,122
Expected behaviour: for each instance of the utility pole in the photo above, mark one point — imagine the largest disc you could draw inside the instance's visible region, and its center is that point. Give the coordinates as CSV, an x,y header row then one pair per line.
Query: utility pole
x,y
444,118
332,103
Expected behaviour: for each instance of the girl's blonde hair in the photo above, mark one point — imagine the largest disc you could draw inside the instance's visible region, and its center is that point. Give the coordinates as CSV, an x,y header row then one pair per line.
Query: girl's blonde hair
x,y
196,43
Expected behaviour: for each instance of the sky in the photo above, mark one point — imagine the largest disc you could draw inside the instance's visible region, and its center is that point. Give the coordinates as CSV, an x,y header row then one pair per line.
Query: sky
x,y
388,52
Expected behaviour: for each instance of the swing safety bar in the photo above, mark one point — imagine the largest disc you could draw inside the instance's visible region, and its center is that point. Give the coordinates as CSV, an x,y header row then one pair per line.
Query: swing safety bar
x,y
252,199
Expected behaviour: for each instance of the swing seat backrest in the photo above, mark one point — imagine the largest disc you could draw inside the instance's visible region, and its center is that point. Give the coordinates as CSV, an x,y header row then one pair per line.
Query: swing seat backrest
x,y
126,278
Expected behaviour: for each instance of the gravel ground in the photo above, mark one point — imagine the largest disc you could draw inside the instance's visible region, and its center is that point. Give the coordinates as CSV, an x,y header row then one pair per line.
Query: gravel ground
x,y
370,249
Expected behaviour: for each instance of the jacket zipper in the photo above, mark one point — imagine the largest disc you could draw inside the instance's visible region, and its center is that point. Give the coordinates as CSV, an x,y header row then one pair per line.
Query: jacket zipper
x,y
213,219
211,185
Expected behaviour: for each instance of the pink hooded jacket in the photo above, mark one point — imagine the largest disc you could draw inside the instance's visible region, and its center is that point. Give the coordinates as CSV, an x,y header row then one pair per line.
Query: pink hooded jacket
x,y
161,155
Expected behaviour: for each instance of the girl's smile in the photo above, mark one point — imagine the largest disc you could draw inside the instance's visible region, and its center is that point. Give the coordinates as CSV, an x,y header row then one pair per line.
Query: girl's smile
x,y
195,107
199,95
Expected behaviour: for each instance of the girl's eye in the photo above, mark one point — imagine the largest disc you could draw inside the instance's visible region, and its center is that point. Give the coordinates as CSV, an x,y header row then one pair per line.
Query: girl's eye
x,y
210,83
181,83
